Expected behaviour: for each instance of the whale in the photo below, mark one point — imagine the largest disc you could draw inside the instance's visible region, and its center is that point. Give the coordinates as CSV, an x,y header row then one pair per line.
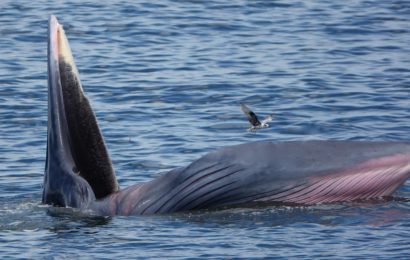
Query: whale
x,y
79,172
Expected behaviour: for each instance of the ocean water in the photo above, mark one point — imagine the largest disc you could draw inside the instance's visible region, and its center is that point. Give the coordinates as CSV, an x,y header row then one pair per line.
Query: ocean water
x,y
166,79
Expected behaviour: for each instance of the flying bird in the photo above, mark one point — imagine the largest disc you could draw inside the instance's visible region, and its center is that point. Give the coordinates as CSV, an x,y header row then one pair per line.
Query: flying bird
x,y
253,119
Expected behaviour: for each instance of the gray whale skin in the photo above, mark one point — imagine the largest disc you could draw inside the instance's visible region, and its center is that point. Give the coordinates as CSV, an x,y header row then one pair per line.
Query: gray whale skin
x,y
79,173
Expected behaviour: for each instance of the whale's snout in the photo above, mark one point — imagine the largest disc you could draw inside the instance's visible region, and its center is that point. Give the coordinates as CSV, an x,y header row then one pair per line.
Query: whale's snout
x,y
77,160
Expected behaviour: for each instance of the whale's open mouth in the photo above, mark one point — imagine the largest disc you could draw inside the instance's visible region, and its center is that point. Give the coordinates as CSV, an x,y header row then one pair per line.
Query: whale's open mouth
x,y
79,170
75,145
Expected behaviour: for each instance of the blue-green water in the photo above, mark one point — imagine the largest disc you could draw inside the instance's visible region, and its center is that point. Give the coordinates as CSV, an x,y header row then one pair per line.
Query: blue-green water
x,y
166,78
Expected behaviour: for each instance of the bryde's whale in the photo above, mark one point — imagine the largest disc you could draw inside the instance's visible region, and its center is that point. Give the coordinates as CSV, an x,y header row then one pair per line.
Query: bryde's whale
x,y
79,173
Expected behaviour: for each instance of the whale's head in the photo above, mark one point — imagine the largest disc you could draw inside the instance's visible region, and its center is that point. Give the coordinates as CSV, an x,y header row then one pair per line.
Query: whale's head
x,y
78,168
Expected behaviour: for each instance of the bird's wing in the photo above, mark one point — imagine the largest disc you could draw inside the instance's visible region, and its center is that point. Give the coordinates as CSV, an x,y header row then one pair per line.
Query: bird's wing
x,y
253,119
267,119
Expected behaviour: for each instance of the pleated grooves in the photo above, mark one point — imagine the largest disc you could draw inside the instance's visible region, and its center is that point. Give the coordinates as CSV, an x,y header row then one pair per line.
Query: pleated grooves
x,y
360,183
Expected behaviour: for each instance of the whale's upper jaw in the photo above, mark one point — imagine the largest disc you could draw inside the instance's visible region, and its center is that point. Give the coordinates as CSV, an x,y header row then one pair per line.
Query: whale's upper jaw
x,y
62,184
78,168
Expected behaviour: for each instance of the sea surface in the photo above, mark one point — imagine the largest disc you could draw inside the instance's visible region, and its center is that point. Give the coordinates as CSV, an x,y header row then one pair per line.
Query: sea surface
x,y
166,78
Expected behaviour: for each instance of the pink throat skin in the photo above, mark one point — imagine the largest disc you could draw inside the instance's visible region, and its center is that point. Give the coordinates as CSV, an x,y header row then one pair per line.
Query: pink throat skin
x,y
374,178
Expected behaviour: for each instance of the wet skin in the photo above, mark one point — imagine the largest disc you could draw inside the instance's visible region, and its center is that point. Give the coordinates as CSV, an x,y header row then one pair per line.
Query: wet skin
x,y
79,172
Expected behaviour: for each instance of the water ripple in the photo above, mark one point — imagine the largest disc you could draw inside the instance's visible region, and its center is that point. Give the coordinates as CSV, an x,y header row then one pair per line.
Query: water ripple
x,y
166,78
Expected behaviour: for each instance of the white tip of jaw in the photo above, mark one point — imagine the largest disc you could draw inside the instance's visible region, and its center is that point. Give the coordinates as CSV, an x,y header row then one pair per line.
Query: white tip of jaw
x,y
53,18
64,50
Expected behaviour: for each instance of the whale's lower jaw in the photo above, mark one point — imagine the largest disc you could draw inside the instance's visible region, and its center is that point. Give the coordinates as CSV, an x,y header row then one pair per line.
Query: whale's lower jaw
x,y
210,184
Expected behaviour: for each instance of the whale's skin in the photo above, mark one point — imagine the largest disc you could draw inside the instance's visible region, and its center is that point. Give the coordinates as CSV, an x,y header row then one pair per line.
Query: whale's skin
x,y
79,171
295,172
